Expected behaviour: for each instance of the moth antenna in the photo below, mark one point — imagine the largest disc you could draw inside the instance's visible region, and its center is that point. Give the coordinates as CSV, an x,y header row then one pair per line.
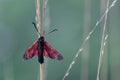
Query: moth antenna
x,y
51,31
36,28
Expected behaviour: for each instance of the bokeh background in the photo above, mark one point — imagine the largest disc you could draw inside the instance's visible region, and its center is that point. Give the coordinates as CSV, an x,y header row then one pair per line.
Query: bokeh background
x,y
74,19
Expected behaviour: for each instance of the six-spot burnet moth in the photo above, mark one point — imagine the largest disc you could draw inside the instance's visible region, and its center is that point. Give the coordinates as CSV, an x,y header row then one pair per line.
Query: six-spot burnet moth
x,y
41,48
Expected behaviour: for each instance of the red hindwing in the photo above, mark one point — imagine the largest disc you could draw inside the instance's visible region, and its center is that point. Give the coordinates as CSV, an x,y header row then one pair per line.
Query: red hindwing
x,y
51,53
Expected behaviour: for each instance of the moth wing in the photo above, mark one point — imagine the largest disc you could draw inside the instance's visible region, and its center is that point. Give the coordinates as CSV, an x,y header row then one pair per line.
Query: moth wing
x,y
51,53
31,52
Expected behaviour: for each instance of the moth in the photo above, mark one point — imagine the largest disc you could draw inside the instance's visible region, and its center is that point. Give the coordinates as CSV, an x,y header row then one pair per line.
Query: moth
x,y
42,48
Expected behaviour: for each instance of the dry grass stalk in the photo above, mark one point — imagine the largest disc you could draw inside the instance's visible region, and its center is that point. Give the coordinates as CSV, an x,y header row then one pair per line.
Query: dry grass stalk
x,y
102,43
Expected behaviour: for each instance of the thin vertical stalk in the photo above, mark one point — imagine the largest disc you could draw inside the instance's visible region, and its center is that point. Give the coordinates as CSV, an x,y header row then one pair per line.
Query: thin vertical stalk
x,y
42,71
102,44
38,20
40,28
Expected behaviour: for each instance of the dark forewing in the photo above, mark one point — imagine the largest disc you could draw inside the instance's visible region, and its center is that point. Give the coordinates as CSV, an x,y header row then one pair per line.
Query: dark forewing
x,y
51,53
32,51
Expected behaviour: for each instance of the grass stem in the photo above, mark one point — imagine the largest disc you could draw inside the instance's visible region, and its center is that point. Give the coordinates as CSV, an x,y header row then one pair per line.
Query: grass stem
x,y
102,44
42,71
38,20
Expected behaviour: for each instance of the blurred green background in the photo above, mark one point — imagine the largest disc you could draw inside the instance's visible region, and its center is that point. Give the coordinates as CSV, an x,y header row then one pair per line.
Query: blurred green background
x,y
74,19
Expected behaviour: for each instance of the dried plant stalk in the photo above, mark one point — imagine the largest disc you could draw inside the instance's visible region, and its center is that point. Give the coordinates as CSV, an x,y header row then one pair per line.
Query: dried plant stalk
x,y
41,71
38,20
102,44
40,28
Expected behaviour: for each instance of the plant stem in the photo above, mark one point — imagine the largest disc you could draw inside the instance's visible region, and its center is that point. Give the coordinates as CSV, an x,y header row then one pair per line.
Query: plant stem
x,y
41,71
102,44
38,20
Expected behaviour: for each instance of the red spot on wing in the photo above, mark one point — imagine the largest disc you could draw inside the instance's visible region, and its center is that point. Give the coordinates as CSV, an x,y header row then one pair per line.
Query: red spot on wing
x,y
51,53
32,51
